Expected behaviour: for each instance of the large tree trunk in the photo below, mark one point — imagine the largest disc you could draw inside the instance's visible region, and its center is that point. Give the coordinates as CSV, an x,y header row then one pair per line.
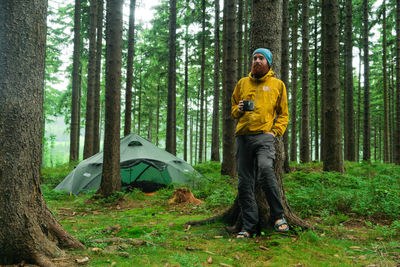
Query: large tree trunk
x,y
75,101
305,83
367,119
129,74
333,160
203,66
28,230
111,177
89,125
97,89
269,37
171,105
285,72
349,143
229,79
215,122
293,131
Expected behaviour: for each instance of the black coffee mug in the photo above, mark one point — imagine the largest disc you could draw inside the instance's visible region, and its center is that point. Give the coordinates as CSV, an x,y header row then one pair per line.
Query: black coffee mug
x,y
248,105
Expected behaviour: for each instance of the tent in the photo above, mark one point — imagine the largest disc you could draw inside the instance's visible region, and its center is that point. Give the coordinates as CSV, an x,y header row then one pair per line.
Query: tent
x,y
143,165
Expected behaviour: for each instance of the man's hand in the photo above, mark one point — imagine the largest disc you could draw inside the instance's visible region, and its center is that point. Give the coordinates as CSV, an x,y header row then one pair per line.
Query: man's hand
x,y
241,105
271,133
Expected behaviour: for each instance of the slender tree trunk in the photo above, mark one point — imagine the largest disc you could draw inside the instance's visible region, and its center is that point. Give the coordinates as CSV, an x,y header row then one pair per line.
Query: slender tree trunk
x,y
385,92
367,119
397,108
97,89
391,113
203,66
305,107
171,105
333,158
191,140
239,39
359,109
323,78
158,112
229,79
29,232
129,73
316,83
140,103
88,148
111,177
293,131
246,39
215,122
348,73
285,71
75,101
185,122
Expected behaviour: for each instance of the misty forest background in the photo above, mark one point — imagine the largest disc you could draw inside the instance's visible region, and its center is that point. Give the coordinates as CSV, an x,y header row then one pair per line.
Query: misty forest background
x,y
369,78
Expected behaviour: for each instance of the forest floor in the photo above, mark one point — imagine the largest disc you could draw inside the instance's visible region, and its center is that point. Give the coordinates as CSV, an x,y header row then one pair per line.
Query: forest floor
x,y
355,219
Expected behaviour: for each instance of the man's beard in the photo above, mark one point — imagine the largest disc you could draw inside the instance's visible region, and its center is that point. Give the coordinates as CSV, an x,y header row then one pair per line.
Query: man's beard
x,y
259,70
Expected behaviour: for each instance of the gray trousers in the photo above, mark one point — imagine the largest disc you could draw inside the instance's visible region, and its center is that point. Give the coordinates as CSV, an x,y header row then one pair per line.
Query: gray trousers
x,y
255,160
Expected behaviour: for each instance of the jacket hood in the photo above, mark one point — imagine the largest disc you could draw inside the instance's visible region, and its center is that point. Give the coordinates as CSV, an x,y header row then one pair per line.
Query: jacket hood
x,y
270,73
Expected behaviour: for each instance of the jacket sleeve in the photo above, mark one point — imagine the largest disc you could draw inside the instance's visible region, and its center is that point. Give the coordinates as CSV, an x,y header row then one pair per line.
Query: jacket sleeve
x,y
282,111
235,112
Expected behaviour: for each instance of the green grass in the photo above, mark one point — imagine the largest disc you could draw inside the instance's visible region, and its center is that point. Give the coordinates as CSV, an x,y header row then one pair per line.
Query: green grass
x,y
355,218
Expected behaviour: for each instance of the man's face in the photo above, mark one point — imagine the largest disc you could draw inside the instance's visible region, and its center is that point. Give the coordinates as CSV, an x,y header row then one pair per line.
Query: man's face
x,y
260,65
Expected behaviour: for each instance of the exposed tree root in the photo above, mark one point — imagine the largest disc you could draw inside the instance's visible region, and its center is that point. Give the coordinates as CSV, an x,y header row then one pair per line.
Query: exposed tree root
x,y
233,216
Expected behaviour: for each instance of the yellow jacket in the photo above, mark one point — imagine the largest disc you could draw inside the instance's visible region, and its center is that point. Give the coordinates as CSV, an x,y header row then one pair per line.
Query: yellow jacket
x,y
270,102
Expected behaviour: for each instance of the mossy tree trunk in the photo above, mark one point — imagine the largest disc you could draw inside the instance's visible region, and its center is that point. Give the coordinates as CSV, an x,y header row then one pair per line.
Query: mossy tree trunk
x,y
28,230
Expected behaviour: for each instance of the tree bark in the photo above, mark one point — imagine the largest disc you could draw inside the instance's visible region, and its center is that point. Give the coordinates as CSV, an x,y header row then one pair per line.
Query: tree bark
x,y
111,177
202,89
349,143
246,39
359,110
367,119
129,73
239,39
229,79
75,101
293,131
185,120
316,126
305,82
28,230
385,91
89,125
97,89
397,138
285,72
333,160
215,122
171,105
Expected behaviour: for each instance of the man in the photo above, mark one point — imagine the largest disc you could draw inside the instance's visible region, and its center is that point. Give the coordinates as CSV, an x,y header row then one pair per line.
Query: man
x,y
259,122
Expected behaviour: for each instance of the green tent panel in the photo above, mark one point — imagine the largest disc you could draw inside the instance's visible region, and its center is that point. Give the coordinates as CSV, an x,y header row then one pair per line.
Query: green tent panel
x,y
142,164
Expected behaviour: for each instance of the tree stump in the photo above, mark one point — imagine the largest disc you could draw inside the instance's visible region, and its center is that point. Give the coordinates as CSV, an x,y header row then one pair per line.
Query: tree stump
x,y
233,215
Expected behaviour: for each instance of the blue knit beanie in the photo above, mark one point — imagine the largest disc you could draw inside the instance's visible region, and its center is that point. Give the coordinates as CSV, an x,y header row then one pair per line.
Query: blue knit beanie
x,y
266,53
